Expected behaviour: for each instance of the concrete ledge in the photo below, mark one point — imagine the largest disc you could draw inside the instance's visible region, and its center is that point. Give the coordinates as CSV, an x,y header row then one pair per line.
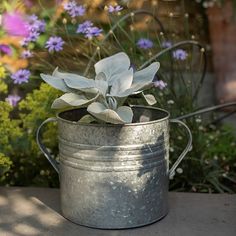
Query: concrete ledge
x,y
36,212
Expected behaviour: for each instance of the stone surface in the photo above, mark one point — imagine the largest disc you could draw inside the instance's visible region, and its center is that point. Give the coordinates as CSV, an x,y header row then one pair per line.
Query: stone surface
x,y
36,212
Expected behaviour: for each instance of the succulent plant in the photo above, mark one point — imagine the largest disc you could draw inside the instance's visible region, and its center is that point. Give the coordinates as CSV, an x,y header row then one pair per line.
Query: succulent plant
x,y
104,96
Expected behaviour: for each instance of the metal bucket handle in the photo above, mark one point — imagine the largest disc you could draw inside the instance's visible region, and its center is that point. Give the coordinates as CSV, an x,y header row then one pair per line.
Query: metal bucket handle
x,y
55,164
43,149
185,151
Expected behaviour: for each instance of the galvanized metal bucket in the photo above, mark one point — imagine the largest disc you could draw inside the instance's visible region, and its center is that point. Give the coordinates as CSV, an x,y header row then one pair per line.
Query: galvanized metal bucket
x,y
114,176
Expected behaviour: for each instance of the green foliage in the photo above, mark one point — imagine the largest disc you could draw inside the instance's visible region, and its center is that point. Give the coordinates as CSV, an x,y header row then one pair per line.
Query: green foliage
x,y
5,164
9,133
210,166
9,129
3,87
35,108
29,167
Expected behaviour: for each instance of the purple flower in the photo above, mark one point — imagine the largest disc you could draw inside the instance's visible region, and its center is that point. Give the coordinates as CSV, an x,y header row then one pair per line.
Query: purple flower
x,y
73,9
82,28
33,36
24,42
36,25
40,25
88,29
160,84
112,9
5,49
32,18
77,11
166,44
92,32
54,43
180,54
21,76
145,43
70,5
13,99
14,24
26,54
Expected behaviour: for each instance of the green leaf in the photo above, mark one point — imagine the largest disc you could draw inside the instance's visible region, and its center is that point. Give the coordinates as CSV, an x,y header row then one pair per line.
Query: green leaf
x,y
71,99
77,82
135,89
55,82
87,119
113,65
41,40
125,113
101,86
120,116
150,99
100,76
146,75
7,6
122,82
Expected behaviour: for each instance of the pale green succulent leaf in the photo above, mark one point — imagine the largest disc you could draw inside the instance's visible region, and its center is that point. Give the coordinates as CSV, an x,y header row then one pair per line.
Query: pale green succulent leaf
x,y
101,112
125,113
64,76
76,81
101,83
71,100
121,82
114,81
113,65
101,76
135,89
101,86
150,99
87,119
146,75
141,80
79,82
55,82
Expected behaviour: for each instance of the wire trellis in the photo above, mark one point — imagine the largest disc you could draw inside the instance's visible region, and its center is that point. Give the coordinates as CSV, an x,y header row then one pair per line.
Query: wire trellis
x,y
165,51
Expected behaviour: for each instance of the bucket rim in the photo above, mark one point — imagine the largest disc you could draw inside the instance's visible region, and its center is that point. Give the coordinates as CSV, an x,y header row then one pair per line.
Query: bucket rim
x,y
166,117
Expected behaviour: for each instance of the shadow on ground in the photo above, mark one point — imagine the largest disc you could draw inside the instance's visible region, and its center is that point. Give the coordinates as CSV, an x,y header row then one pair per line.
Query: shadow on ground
x,y
36,212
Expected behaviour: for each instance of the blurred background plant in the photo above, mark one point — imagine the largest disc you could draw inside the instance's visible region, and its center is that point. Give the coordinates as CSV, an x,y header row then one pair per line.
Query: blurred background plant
x,y
37,36
212,3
